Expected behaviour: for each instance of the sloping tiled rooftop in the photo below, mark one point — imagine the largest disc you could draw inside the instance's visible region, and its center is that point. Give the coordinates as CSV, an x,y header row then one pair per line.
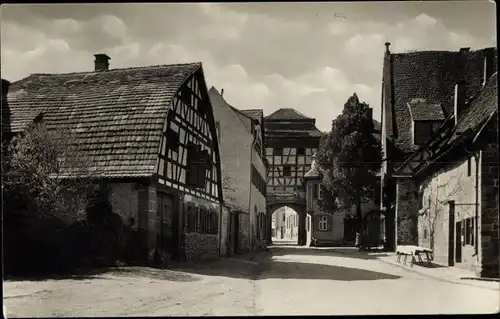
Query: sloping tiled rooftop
x,y
432,75
287,114
420,110
117,115
256,114
481,108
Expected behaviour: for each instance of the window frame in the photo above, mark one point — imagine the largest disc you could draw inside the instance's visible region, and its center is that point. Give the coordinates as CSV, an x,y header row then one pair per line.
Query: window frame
x,y
323,220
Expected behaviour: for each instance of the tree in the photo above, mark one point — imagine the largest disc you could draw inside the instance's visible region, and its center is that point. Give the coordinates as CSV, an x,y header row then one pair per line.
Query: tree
x,y
349,158
46,186
47,175
435,201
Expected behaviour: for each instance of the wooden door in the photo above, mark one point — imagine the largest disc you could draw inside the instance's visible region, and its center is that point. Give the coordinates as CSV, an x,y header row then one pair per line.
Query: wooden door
x,y
166,224
458,242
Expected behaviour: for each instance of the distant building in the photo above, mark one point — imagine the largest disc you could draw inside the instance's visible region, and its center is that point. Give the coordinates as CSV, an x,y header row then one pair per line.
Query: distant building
x,y
286,224
243,172
337,227
440,140
150,135
291,138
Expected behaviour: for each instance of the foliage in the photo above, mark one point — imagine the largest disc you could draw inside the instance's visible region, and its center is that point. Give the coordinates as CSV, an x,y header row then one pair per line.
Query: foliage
x,y
229,191
37,165
434,203
349,157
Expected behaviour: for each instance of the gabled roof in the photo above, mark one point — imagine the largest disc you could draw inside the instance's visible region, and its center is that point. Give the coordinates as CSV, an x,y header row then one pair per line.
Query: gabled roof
x,y
117,115
287,114
481,108
213,92
420,110
256,114
313,172
470,123
431,75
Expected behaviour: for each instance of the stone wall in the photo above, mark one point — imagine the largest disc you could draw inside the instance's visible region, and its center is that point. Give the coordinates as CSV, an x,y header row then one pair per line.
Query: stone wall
x,y
488,239
244,243
224,232
199,247
406,211
124,199
455,183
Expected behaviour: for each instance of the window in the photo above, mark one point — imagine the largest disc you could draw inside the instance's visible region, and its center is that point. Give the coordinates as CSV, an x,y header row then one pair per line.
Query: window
x,y
284,217
323,223
423,130
278,151
469,166
172,139
287,170
469,231
315,191
301,151
425,233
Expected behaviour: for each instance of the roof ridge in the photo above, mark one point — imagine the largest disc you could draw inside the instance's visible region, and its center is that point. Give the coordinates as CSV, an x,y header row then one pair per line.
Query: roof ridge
x,y
119,69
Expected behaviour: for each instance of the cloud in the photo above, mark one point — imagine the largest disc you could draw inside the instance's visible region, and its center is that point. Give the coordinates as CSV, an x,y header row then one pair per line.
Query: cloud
x,y
266,59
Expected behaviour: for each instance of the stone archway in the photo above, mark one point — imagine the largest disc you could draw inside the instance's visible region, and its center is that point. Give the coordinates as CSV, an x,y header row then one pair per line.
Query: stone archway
x,y
301,212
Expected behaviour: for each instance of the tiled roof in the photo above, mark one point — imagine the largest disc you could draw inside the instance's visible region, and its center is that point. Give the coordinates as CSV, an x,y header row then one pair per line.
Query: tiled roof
x,y
432,75
287,114
420,110
313,172
480,109
117,115
478,112
256,114
292,132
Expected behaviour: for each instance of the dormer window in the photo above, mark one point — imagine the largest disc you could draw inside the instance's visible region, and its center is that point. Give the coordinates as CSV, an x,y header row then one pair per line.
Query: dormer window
x,y
426,120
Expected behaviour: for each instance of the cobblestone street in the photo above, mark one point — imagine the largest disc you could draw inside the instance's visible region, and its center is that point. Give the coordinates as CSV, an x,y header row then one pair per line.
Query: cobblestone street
x,y
287,280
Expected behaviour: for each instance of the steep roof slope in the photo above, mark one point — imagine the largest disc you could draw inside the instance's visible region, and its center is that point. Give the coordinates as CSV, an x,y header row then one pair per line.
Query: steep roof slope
x,y
432,75
117,115
285,114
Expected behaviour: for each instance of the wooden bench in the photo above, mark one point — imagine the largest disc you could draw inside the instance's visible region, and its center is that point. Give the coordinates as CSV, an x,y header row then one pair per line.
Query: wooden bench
x,y
414,251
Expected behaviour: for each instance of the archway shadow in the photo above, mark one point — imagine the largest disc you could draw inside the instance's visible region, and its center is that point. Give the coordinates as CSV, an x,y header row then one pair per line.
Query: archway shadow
x,y
347,252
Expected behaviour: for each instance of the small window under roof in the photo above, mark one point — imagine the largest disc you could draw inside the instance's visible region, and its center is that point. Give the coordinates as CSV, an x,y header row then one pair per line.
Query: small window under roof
x,y
420,110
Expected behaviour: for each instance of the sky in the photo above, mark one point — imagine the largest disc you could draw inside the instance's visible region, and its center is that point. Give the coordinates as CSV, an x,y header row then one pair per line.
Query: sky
x,y
307,56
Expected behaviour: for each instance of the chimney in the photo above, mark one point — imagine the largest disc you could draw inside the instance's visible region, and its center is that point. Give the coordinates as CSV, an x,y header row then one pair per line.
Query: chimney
x,y
387,45
101,62
5,87
460,90
488,66
221,92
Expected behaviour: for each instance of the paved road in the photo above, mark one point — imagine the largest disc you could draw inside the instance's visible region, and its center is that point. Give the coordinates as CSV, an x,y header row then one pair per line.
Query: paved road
x,y
284,281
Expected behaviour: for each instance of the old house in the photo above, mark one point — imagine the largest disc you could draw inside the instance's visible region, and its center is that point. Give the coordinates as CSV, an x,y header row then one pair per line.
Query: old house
x,y
441,173
285,224
243,170
455,179
338,226
412,81
150,135
291,140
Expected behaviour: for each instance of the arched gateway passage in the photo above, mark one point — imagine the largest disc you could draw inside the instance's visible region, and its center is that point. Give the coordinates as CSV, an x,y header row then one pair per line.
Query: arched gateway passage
x,y
291,139
286,223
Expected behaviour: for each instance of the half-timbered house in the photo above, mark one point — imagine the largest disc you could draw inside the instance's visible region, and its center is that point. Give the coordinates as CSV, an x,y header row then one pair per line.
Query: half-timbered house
x,y
150,135
243,170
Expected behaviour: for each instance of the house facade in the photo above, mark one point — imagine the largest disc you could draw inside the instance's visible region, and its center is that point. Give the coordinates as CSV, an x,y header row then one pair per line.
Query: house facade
x,y
286,224
150,136
291,138
417,95
243,171
441,173
338,226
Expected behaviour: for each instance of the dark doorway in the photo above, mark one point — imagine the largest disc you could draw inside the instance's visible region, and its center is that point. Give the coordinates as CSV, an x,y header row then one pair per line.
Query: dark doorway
x,y
458,242
167,229
235,230
350,229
